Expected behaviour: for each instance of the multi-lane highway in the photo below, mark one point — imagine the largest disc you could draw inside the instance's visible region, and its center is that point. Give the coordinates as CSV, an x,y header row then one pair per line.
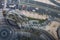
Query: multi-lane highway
x,y
43,8
40,8
55,2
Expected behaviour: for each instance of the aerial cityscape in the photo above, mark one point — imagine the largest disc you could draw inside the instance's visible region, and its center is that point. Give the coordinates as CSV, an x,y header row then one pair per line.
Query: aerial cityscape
x,y
29,19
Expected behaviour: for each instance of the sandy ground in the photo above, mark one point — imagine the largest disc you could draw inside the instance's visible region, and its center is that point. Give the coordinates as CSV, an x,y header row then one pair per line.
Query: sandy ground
x,y
52,28
34,15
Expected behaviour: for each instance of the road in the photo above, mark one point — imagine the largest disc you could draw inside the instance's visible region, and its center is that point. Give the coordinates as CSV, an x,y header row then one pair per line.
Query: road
x,y
2,21
45,1
44,8
55,2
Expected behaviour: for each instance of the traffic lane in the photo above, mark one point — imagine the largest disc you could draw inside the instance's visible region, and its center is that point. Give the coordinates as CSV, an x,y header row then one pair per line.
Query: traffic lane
x,y
2,21
55,2
44,11
1,6
45,5
40,6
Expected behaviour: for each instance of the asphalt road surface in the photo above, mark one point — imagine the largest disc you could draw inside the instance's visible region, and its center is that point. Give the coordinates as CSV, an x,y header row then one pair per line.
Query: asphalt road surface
x,y
2,21
45,8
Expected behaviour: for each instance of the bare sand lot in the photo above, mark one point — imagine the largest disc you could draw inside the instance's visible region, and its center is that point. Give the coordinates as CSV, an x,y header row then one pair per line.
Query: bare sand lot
x,y
34,15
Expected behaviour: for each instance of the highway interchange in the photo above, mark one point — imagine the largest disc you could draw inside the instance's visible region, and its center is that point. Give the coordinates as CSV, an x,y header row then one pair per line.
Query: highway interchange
x,y
41,8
